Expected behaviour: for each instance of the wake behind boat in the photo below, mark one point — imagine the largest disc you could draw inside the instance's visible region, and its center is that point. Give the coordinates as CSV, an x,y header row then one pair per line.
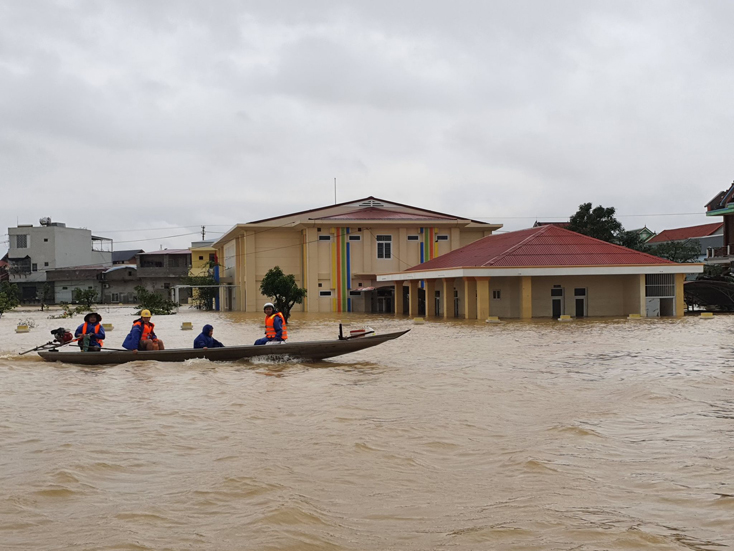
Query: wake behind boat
x,y
310,350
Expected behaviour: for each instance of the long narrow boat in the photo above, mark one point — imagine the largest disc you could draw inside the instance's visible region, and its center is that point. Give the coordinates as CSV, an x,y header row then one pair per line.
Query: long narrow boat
x,y
313,350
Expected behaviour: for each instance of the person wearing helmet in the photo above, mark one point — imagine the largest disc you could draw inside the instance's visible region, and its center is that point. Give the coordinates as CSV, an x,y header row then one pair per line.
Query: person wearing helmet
x,y
142,335
275,330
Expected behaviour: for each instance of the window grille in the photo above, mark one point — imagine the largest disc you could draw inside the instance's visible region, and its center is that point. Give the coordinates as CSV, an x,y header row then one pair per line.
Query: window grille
x,y
21,241
413,238
442,238
660,285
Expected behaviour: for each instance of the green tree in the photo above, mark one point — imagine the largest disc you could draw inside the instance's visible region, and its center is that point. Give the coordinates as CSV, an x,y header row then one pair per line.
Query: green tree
x,y
598,222
283,290
158,305
85,297
9,297
633,240
678,251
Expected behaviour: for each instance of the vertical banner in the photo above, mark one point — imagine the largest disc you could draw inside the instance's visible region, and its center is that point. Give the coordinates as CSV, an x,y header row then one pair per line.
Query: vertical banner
x,y
341,270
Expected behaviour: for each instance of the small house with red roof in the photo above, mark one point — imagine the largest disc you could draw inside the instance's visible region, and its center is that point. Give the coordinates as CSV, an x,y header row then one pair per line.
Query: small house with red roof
x,y
542,272
707,236
337,252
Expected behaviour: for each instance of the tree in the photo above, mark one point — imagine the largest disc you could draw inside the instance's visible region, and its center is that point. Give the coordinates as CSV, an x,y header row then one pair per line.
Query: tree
x,y
158,305
283,290
633,240
85,297
678,251
8,297
598,222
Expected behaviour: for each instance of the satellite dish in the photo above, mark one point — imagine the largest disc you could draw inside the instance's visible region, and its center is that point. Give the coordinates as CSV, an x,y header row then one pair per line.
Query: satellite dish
x,y
45,221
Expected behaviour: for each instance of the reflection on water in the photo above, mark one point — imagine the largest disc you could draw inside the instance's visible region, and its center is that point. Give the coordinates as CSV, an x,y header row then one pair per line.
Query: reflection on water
x,y
606,434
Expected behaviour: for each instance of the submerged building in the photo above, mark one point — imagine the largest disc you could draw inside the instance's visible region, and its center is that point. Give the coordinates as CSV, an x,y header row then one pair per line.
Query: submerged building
x,y
545,271
337,252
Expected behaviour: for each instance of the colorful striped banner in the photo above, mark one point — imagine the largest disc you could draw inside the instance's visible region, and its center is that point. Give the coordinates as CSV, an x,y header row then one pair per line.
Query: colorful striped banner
x,y
341,270
429,247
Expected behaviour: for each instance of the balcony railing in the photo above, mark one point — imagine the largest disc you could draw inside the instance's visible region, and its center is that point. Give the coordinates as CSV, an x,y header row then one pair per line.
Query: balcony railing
x,y
718,252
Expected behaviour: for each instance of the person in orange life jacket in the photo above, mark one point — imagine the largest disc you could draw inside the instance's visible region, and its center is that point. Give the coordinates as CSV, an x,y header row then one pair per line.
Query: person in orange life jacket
x,y
275,330
142,335
94,329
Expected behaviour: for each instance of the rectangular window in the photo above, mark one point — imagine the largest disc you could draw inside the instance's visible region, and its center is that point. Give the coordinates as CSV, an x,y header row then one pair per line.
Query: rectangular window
x,y
45,263
497,294
556,292
21,241
34,267
384,246
355,293
413,238
355,237
324,293
201,257
45,239
115,297
442,238
324,238
64,288
579,292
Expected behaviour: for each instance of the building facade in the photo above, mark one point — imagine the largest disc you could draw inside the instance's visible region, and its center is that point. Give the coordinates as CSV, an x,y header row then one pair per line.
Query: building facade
x,y
542,272
34,250
337,252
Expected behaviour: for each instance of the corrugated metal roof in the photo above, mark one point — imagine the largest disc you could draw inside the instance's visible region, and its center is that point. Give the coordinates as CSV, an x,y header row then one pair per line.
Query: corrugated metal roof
x,y
541,246
374,213
168,251
690,232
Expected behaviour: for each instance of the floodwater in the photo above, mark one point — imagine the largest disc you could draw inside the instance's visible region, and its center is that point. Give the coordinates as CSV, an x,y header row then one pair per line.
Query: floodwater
x,y
611,434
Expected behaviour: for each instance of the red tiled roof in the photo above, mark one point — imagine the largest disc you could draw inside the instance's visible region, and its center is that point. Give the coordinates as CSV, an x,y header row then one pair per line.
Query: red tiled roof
x,y
366,199
541,246
691,232
374,213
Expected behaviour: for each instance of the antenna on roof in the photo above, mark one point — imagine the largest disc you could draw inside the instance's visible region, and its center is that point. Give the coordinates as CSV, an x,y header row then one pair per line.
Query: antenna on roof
x,y
335,191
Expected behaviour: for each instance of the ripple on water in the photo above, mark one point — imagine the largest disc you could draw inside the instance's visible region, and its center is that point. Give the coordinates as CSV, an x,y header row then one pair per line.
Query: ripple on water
x,y
594,435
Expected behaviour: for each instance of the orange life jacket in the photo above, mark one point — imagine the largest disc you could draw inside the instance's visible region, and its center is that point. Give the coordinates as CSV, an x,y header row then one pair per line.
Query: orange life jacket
x,y
96,331
148,328
270,326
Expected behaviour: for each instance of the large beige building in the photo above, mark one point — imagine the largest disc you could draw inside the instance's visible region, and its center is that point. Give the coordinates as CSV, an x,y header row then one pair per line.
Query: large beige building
x,y
337,252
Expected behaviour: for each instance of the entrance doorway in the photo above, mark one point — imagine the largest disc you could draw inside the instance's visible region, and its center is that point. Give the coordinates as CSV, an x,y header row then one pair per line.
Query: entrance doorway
x,y
557,301
579,295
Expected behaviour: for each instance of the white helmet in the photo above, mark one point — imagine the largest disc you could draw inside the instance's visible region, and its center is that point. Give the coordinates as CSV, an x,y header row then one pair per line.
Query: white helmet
x,y
269,304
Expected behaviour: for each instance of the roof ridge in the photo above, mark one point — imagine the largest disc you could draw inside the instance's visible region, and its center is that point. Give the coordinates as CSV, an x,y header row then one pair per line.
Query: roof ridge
x,y
540,230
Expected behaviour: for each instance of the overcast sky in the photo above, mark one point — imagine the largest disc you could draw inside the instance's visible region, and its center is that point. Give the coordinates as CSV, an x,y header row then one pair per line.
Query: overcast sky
x,y
142,119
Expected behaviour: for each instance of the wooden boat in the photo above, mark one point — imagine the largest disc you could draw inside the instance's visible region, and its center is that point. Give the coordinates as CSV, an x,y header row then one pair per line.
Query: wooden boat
x,y
313,350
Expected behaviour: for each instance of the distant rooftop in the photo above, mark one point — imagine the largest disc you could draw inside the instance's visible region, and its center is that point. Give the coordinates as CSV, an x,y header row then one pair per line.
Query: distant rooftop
x,y
689,232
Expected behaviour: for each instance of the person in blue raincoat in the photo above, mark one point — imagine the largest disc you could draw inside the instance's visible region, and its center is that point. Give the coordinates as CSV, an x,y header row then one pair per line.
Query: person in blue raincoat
x,y
94,329
205,340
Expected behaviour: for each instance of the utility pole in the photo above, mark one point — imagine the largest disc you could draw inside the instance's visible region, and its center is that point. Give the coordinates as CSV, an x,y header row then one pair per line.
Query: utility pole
x,y
203,233
335,191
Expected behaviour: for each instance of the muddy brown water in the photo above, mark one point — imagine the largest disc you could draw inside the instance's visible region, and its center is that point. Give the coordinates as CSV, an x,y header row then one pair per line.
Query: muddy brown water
x,y
607,434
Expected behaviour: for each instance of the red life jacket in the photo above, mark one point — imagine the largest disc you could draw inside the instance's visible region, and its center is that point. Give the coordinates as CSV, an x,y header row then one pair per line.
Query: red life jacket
x,y
270,326
148,328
